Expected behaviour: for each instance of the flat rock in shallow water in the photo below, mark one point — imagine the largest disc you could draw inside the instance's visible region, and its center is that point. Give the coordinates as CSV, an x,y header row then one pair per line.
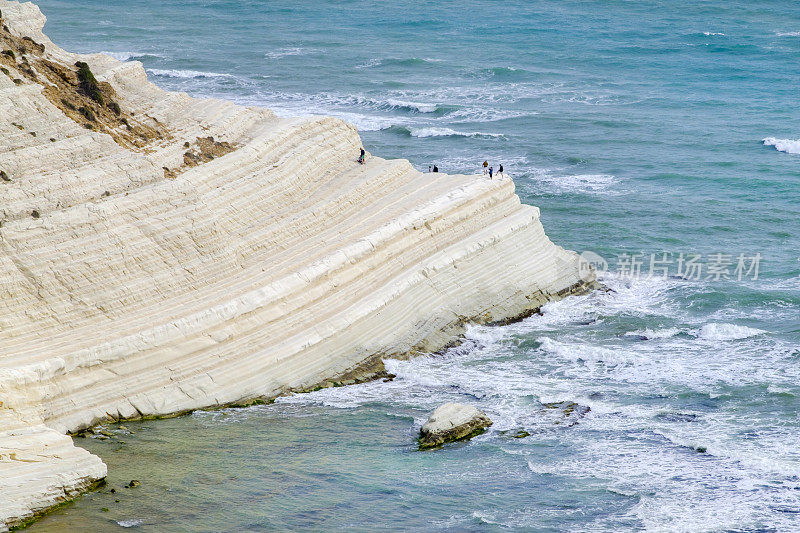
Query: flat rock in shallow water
x,y
451,422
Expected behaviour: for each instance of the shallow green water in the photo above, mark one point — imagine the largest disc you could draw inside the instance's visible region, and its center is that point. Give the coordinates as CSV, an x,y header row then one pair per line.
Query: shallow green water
x,y
223,476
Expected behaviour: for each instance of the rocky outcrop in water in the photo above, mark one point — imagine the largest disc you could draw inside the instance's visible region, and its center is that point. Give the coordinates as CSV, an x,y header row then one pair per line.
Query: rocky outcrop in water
x,y
161,253
451,422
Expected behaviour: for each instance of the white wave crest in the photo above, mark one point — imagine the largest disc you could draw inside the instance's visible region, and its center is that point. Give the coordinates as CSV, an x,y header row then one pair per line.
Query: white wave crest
x,y
727,332
787,33
655,333
597,355
289,51
486,114
127,56
379,62
186,74
783,145
421,107
448,132
577,183
131,522
360,121
122,56
710,33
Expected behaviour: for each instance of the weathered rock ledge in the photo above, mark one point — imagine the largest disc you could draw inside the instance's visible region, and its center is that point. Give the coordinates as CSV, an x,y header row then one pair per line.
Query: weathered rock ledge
x,y
160,253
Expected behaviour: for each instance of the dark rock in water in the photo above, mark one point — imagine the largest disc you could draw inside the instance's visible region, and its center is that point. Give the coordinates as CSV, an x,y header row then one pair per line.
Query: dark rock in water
x,y
521,434
570,412
569,407
451,422
701,449
677,417
133,483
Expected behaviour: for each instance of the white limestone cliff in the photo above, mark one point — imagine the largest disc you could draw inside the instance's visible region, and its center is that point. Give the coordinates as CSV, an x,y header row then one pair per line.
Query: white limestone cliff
x,y
177,253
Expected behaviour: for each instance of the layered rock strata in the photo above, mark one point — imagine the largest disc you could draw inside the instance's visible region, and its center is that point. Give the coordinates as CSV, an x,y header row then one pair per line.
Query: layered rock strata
x,y
161,253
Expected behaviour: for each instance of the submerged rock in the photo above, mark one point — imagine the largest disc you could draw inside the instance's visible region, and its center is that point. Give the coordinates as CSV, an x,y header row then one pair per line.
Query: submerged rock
x,y
451,422
567,413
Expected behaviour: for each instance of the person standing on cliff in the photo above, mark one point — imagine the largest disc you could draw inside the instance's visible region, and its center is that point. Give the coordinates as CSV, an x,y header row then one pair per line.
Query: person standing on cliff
x,y
362,156
485,165
490,172
500,171
435,168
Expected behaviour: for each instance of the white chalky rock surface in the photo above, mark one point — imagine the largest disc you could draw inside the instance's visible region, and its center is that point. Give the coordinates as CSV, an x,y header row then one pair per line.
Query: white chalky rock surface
x,y
277,266
450,422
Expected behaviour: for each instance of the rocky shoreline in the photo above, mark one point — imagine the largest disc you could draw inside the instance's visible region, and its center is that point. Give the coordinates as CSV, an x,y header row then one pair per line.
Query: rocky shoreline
x,y
163,254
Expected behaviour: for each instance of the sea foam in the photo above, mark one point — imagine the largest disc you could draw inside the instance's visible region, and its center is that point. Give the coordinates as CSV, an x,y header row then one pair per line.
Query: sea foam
x,y
128,56
783,145
421,107
448,132
131,522
727,332
290,51
557,183
186,74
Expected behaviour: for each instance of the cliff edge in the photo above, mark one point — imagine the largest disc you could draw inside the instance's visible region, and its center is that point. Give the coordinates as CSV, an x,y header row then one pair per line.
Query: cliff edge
x,y
161,253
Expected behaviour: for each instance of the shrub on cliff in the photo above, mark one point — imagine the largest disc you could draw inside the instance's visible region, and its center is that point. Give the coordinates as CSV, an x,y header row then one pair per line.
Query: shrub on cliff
x,y
86,112
88,83
36,46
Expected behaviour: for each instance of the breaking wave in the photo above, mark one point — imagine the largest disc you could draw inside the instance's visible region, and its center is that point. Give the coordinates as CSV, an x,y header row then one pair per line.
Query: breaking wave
x,y
727,332
443,132
186,74
783,145
127,56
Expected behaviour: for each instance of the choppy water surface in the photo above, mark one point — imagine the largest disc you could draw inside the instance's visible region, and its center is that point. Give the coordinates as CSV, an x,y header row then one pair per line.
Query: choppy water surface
x,y
637,129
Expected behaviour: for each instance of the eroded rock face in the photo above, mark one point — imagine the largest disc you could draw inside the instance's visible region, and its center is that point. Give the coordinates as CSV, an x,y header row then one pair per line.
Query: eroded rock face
x,y
160,253
451,422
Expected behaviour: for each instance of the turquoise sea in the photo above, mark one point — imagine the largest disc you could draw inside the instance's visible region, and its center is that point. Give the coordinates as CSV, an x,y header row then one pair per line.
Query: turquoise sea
x,y
638,128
